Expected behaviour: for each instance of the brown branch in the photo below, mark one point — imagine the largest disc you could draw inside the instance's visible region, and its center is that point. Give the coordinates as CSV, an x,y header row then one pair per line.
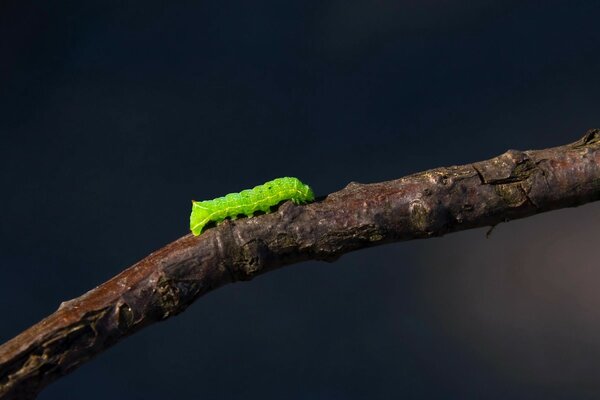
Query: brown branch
x,y
432,203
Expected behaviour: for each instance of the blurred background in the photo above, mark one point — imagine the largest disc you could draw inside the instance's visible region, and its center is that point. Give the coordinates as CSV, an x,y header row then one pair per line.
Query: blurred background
x,y
114,115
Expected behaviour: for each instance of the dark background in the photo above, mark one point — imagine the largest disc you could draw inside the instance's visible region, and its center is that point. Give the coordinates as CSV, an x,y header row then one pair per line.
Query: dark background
x,y
114,115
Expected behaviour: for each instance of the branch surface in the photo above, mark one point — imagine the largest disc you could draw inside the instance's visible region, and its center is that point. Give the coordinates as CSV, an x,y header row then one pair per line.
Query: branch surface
x,y
513,185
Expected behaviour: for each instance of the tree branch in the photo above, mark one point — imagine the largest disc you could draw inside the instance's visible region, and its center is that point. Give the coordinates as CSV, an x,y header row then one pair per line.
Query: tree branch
x,y
432,203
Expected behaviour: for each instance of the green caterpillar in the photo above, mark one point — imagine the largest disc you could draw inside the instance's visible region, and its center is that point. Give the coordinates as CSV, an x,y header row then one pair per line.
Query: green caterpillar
x,y
249,201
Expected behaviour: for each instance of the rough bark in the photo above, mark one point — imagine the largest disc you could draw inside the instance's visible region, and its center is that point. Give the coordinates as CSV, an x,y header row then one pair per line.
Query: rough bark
x,y
432,203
